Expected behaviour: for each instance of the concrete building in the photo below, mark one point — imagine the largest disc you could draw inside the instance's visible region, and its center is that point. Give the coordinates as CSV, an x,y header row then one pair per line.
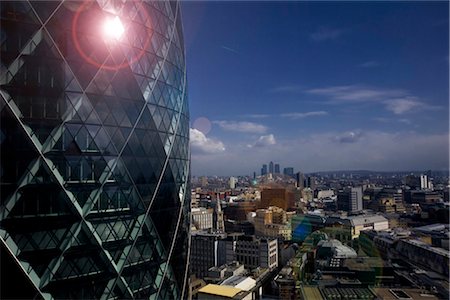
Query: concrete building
x,y
424,255
350,199
279,197
257,252
272,222
202,218
204,252
351,226
232,182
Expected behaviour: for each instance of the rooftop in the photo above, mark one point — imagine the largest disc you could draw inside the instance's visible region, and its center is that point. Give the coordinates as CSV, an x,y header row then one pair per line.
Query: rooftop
x,y
221,290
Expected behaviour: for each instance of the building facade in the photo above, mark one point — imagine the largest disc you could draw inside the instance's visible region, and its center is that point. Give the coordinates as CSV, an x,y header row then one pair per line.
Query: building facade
x,y
202,218
94,149
255,252
350,199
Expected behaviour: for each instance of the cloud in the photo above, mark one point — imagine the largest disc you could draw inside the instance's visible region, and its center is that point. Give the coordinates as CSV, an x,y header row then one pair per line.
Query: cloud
x,y
265,140
356,93
200,144
301,115
247,127
397,101
349,137
229,49
257,116
368,150
369,64
404,105
326,33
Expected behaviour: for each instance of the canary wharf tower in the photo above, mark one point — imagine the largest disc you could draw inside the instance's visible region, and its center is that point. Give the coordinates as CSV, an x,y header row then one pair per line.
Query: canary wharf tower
x,y
94,150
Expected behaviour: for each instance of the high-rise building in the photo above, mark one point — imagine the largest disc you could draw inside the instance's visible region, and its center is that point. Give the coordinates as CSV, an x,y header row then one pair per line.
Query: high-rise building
x,y
94,150
232,182
264,170
424,183
288,171
271,167
300,180
277,169
350,199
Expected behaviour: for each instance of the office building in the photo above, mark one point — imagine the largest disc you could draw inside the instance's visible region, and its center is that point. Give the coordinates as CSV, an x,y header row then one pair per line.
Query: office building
x,y
202,218
300,177
288,171
204,252
279,197
277,169
264,170
350,199
232,182
94,117
257,252
272,222
271,167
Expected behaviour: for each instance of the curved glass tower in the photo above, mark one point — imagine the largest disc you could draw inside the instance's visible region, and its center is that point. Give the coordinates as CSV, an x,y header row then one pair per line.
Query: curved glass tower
x,y
94,150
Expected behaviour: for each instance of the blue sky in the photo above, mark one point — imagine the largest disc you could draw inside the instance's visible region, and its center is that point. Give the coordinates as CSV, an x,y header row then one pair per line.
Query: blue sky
x,y
317,85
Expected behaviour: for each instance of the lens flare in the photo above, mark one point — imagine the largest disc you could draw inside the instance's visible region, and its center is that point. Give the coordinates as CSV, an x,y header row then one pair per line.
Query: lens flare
x,y
113,28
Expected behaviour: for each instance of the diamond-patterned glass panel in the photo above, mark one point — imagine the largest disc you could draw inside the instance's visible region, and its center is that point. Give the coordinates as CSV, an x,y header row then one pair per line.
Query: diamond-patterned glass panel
x,y
94,144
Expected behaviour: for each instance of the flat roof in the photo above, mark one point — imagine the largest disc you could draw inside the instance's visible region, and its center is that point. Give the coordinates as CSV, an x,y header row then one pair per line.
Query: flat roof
x,y
220,290
311,292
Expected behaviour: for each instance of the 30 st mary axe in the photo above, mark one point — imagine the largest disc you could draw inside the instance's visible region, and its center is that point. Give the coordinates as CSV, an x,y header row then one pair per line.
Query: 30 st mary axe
x,y
94,150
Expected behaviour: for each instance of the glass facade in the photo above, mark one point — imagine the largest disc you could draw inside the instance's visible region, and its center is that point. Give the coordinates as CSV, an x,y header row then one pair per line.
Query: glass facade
x,y
94,148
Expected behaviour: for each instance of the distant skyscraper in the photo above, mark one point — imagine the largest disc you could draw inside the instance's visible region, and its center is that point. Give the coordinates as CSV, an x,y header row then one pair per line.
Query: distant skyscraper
x,y
300,180
264,170
277,169
271,167
350,199
232,182
288,171
424,184
94,141
310,182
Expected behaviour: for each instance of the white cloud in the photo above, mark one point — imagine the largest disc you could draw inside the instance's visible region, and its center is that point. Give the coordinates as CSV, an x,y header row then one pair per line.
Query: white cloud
x,y
356,93
247,127
265,140
349,137
370,150
301,115
394,100
202,144
403,105
256,116
325,33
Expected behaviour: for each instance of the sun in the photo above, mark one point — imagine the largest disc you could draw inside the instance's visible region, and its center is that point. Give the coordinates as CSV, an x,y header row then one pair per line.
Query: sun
x,y
113,28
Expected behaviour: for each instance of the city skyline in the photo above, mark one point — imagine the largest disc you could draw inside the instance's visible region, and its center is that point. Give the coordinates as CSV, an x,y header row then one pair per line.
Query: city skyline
x,y
317,86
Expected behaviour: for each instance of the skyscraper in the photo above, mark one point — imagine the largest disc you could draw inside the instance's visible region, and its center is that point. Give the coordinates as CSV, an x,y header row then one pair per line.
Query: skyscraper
x,y
277,169
264,170
94,150
271,167
288,171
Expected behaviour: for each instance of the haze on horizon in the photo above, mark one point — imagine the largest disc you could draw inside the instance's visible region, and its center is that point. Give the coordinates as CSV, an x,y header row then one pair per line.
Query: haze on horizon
x,y
318,86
